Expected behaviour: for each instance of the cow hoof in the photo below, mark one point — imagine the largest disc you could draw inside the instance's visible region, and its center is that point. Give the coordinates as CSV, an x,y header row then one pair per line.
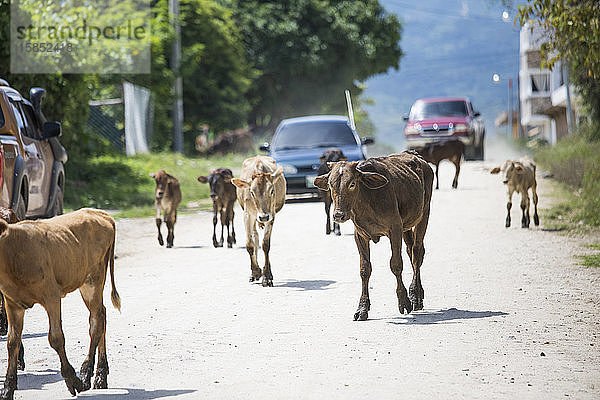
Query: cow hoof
x,y
7,394
74,385
169,245
536,220
361,315
338,233
229,245
215,245
267,282
100,382
161,241
405,304
327,232
507,224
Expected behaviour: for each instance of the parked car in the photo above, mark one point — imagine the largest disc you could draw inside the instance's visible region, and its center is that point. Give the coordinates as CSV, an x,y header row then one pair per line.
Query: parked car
x,y
446,118
32,177
299,142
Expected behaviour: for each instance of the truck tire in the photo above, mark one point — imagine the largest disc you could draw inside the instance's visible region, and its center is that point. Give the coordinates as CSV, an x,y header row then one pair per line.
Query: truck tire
x,y
21,209
57,208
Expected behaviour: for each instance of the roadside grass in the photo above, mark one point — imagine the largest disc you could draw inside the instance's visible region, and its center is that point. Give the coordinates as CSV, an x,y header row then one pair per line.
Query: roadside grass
x,y
575,163
118,182
591,260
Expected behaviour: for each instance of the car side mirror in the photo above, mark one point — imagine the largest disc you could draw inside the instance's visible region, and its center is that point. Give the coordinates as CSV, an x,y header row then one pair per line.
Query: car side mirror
x,y
477,114
51,129
264,147
405,117
367,140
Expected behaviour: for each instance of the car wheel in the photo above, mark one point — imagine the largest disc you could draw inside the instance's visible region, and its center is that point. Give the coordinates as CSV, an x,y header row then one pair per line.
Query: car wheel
x,y
20,210
57,209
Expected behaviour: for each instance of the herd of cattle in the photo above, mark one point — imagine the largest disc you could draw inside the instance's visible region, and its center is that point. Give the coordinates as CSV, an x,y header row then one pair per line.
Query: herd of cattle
x,y
383,196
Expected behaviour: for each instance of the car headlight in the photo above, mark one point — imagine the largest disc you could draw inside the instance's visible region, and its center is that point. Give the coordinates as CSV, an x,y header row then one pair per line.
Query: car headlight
x,y
461,128
289,169
413,130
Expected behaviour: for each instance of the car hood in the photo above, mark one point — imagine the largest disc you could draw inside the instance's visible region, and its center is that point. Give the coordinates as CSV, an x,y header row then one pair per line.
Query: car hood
x,y
442,120
310,156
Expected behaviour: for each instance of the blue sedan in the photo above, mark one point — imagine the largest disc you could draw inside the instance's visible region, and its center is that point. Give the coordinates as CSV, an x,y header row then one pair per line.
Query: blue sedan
x,y
299,142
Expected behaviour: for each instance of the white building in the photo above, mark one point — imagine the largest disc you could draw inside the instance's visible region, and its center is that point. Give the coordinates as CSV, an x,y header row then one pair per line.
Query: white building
x,y
542,92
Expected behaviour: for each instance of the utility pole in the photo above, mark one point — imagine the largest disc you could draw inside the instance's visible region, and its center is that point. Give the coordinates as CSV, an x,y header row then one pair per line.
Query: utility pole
x,y
565,70
177,84
510,113
519,125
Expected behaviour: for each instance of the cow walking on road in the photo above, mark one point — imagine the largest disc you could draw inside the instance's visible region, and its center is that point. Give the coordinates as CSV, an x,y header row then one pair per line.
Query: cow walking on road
x,y
64,253
330,155
167,199
223,195
261,193
384,196
451,150
519,176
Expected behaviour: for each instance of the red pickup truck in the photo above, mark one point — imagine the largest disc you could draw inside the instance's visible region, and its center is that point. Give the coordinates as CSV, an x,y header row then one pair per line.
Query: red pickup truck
x,y
32,173
446,118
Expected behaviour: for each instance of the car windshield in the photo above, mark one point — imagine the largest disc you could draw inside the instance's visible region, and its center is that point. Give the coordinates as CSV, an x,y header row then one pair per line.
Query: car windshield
x,y
422,110
314,134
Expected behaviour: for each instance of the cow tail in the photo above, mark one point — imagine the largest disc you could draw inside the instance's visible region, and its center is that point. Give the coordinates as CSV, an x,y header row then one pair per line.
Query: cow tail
x,y
114,295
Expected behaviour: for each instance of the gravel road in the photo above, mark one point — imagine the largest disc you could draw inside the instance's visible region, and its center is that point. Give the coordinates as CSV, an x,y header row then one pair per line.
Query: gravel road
x,y
508,313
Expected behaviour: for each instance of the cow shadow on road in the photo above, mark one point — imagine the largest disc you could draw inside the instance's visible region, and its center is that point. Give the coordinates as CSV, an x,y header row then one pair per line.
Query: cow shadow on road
x,y
26,336
133,394
450,315
307,285
38,380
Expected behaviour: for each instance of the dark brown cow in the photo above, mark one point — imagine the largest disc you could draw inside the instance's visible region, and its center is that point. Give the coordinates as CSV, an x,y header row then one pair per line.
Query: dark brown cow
x,y
237,141
64,253
330,155
223,195
519,176
384,196
168,197
451,150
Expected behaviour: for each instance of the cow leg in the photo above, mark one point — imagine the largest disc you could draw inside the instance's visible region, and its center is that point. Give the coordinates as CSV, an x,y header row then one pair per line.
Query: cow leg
x,y
396,267
416,292
364,304
252,246
409,240
267,275
170,220
232,225
102,369
223,223
437,176
57,341
215,220
15,328
92,297
229,221
536,219
456,161
525,210
158,220
3,318
327,201
508,207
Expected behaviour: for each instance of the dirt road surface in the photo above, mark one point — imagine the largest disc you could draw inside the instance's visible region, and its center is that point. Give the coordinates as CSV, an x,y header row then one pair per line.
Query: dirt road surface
x,y
508,313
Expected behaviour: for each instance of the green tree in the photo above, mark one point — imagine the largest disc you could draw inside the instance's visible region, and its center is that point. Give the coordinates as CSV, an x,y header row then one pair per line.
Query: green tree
x,y
573,34
310,51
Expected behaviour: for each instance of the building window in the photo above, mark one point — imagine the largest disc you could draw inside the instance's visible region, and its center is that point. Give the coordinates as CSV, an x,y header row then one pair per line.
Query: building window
x,y
540,83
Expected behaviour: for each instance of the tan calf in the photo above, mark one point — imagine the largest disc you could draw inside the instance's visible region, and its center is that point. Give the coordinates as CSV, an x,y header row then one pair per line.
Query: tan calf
x,y
261,193
167,199
64,253
519,176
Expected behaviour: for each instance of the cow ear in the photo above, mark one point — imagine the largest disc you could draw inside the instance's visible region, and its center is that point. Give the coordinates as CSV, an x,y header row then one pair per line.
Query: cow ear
x,y
495,171
322,182
3,229
203,179
277,172
373,180
240,183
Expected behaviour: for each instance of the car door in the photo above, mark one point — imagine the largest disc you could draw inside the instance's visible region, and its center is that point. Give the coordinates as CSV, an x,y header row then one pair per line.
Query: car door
x,y
34,161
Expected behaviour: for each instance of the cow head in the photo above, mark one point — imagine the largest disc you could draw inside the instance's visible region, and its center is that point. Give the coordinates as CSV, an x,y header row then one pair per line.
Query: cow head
x,y
262,193
332,155
346,183
509,170
217,180
162,180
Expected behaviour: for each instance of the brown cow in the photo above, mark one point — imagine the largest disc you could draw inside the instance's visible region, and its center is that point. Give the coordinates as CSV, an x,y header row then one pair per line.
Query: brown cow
x,y
236,141
519,176
168,197
64,253
384,196
222,193
329,155
261,193
451,150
